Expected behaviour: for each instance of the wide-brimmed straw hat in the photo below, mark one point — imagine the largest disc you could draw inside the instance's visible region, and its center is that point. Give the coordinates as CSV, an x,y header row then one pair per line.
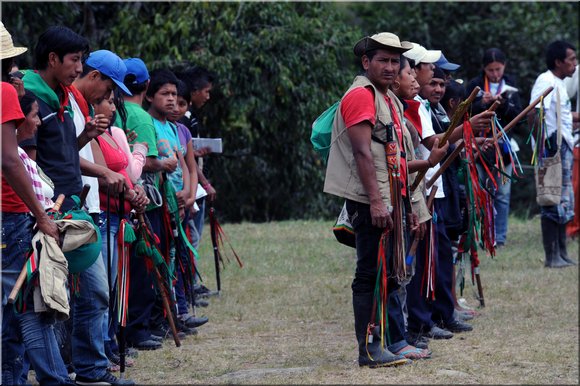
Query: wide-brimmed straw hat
x,y
384,40
7,49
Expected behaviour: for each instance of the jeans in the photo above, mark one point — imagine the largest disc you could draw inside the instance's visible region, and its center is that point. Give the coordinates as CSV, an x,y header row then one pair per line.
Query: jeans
x,y
89,306
563,212
367,249
422,312
110,321
199,218
501,203
29,330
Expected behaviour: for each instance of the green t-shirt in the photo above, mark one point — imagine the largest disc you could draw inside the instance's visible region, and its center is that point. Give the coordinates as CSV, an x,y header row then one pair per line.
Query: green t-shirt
x,y
141,122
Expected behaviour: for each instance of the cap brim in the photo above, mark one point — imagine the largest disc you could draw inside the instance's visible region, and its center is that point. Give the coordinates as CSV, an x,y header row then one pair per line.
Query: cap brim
x,y
449,66
431,56
122,87
14,51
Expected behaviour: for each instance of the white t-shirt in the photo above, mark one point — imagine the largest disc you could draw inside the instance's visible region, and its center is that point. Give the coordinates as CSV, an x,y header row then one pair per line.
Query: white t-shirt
x,y
427,131
93,203
544,81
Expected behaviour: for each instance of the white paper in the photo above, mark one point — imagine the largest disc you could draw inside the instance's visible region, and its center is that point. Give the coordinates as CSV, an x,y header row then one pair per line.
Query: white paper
x,y
215,144
200,192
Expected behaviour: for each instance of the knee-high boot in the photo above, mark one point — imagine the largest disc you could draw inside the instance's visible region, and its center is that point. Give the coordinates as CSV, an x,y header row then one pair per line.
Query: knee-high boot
x,y
551,241
370,352
562,245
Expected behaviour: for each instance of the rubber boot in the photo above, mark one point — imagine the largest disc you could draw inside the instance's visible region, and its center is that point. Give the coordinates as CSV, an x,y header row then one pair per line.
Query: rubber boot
x,y
562,245
370,353
551,241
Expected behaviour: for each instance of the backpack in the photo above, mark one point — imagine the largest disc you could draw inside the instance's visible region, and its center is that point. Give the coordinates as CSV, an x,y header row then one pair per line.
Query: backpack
x,y
322,131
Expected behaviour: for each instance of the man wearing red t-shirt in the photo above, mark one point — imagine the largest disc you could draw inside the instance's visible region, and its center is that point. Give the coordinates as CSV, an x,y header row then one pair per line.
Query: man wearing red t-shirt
x,y
369,116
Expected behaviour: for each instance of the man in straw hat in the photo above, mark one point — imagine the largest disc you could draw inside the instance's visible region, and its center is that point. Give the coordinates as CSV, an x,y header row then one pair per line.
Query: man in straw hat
x,y
24,330
357,171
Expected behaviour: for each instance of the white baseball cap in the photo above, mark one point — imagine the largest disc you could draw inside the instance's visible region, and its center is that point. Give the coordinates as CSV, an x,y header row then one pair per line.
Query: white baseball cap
x,y
420,54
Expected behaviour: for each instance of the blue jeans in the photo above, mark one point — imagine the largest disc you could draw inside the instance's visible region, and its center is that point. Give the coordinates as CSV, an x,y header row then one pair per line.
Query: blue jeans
x,y
28,331
199,218
89,306
367,249
501,203
564,212
110,321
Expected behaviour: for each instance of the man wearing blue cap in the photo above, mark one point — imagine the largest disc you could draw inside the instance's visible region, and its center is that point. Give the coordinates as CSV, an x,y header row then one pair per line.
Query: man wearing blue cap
x,y
447,67
58,63
102,72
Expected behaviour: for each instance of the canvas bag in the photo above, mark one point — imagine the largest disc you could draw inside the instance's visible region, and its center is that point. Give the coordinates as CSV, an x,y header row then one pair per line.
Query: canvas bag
x,y
549,173
321,135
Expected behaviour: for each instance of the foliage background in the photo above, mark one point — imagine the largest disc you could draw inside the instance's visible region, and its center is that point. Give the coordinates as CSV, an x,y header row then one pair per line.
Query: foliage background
x,y
279,65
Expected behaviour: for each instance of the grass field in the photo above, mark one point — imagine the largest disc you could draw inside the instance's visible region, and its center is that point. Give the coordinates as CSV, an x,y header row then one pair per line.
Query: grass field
x,y
286,318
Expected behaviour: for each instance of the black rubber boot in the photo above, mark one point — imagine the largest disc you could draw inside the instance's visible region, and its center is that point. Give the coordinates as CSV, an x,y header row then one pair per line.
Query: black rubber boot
x,y
371,353
551,241
562,245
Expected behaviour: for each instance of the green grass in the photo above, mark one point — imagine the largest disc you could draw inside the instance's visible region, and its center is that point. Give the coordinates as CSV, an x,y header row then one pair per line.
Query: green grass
x,y
286,318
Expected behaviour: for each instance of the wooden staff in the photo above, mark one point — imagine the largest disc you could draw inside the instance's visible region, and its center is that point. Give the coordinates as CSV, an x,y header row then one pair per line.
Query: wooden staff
x,y
164,291
452,126
508,127
22,277
430,199
454,154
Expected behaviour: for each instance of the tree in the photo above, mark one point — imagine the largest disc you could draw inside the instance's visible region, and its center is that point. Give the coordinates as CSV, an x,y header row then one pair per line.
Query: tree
x,y
279,66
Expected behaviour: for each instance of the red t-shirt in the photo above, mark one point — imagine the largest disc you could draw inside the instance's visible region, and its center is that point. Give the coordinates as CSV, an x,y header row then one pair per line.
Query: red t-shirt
x,y
11,111
358,106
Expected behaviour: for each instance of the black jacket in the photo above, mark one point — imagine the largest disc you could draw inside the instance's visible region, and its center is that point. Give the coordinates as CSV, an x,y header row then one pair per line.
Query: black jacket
x,y
507,111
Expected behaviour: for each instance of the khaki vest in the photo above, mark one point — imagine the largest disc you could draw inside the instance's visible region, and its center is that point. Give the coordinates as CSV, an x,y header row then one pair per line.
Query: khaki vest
x,y
342,177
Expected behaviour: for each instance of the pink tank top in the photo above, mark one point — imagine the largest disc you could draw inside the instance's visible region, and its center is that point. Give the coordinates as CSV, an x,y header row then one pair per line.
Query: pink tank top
x,y
117,161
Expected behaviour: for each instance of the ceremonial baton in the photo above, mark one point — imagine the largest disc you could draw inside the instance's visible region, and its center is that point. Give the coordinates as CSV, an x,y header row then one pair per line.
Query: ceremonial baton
x,y
452,126
164,291
507,128
449,160
430,199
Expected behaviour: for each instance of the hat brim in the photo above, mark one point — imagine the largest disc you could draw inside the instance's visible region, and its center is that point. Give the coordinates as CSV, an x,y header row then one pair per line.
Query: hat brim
x,y
12,52
122,87
367,44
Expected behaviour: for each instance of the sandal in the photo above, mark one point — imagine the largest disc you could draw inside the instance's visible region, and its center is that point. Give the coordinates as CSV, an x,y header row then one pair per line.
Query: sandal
x,y
414,353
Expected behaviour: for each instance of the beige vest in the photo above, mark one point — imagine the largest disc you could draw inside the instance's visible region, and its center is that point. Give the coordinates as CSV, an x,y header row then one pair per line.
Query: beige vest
x,y
342,177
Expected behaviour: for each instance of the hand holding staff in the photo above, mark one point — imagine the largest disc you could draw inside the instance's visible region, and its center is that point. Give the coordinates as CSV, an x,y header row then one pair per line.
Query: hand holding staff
x,y
454,123
508,127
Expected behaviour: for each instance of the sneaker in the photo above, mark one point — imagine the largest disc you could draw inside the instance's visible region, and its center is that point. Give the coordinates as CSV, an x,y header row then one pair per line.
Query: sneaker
x,y
204,292
147,345
164,332
201,303
458,326
193,321
439,333
106,379
116,360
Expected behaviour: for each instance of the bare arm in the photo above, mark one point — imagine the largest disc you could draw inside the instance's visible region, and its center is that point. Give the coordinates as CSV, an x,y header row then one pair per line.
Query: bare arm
x,y
360,138
479,123
192,166
17,177
106,176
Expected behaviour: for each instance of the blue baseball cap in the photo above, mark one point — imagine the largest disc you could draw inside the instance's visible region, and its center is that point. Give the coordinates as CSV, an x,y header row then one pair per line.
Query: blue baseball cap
x,y
137,68
445,64
110,65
